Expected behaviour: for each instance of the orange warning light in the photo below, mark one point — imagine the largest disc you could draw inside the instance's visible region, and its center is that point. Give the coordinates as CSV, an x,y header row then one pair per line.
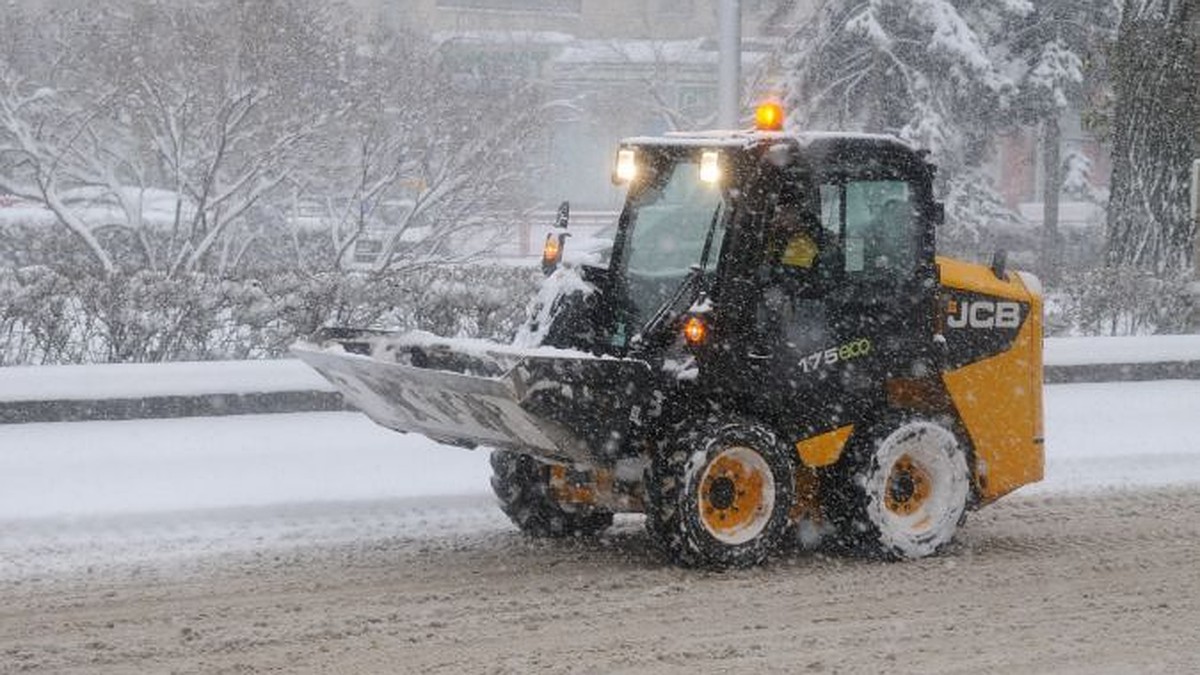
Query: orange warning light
x,y
551,251
769,117
695,331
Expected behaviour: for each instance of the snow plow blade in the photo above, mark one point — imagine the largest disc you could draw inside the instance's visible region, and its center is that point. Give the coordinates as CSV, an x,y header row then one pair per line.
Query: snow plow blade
x,y
549,402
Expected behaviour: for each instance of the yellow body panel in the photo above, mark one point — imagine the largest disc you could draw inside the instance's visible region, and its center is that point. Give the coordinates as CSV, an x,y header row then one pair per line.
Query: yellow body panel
x,y
824,449
999,398
979,278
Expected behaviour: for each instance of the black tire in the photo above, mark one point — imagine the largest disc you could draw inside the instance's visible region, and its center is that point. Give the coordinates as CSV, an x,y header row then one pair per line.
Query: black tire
x,y
901,490
702,508
522,484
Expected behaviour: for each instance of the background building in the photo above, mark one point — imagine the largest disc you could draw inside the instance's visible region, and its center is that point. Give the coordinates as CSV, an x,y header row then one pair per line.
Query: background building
x,y
609,69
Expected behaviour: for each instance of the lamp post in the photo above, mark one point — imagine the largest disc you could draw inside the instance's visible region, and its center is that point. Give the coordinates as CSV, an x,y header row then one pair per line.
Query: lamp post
x,y
729,70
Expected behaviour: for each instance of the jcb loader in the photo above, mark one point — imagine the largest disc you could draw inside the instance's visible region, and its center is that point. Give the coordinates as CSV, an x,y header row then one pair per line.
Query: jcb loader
x,y
770,341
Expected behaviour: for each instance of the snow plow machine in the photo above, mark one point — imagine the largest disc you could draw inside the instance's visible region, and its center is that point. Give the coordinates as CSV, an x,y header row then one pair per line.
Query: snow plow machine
x,y
769,349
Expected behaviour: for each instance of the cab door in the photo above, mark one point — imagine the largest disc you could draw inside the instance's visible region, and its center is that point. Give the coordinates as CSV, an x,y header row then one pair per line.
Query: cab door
x,y
821,341
880,298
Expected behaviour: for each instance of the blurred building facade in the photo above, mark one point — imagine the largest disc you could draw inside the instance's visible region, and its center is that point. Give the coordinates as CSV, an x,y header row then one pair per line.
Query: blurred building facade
x,y
628,67
584,19
615,68
631,67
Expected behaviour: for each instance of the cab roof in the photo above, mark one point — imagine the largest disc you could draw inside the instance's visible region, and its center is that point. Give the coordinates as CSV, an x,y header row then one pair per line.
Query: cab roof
x,y
751,138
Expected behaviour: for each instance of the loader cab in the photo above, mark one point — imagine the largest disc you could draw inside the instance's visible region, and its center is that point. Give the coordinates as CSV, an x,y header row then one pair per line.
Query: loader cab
x,y
827,338
816,252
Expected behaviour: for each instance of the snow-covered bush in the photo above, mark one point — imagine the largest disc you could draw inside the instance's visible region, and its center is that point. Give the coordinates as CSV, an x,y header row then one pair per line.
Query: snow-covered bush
x,y
1118,301
47,317
463,301
38,308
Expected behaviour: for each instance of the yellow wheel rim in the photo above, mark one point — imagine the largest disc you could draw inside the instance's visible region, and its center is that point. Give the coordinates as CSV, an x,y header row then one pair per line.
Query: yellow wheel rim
x,y
916,489
908,487
737,495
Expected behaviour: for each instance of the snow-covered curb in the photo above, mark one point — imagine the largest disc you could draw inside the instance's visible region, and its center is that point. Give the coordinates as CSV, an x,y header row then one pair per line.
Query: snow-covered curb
x,y
1077,351
161,390
1122,359
146,380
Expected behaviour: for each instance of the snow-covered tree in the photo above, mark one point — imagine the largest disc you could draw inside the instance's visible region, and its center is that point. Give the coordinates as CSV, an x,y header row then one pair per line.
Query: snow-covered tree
x,y
950,75
232,112
475,159
40,134
930,71
922,70
188,115
1156,70
1049,48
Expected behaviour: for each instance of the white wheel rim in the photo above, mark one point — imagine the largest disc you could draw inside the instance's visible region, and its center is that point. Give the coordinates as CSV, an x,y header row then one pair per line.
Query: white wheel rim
x,y
918,488
736,495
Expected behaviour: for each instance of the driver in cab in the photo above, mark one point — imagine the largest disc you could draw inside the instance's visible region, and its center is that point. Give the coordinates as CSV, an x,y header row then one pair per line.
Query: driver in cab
x,y
794,238
791,308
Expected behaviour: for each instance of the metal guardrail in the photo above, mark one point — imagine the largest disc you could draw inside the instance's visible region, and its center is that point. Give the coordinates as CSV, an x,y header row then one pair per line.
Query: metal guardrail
x,y
211,405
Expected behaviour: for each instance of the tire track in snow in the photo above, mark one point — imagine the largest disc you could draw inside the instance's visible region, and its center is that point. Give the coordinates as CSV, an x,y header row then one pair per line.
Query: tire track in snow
x,y
1085,583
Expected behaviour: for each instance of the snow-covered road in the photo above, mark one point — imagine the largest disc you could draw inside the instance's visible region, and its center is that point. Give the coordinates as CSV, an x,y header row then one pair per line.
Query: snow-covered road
x,y
89,494
1042,584
319,542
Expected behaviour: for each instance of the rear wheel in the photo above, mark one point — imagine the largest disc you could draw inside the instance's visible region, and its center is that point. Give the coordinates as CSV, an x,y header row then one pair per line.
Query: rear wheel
x,y
903,493
720,496
522,484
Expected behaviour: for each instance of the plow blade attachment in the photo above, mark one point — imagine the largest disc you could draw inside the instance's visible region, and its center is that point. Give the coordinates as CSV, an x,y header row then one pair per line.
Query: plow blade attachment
x,y
551,403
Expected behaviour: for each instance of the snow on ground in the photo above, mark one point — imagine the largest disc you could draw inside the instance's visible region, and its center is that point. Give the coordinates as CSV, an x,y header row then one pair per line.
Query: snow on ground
x,y
139,466
1121,434
83,495
35,547
1097,435
94,493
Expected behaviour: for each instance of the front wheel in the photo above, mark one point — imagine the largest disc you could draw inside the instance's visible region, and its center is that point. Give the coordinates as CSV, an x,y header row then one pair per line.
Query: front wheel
x,y
522,484
903,493
719,496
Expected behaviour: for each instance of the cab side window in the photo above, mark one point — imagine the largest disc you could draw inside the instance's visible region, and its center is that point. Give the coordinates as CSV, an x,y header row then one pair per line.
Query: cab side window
x,y
875,222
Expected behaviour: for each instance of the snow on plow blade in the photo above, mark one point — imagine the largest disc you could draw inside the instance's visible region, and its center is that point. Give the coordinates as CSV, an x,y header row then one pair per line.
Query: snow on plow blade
x,y
544,401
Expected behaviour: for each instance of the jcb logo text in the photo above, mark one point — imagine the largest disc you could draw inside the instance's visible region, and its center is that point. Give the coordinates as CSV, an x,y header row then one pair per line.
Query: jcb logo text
x,y
983,314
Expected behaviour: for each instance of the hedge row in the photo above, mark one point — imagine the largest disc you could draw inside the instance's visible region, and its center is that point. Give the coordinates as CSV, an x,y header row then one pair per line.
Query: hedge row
x,y
48,317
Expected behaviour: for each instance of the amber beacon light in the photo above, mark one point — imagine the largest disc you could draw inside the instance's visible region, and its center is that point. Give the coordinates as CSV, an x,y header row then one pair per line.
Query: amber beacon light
x,y
769,117
695,331
551,251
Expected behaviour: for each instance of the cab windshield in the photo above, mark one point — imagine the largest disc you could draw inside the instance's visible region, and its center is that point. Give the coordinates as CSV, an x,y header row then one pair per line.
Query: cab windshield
x,y
676,222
